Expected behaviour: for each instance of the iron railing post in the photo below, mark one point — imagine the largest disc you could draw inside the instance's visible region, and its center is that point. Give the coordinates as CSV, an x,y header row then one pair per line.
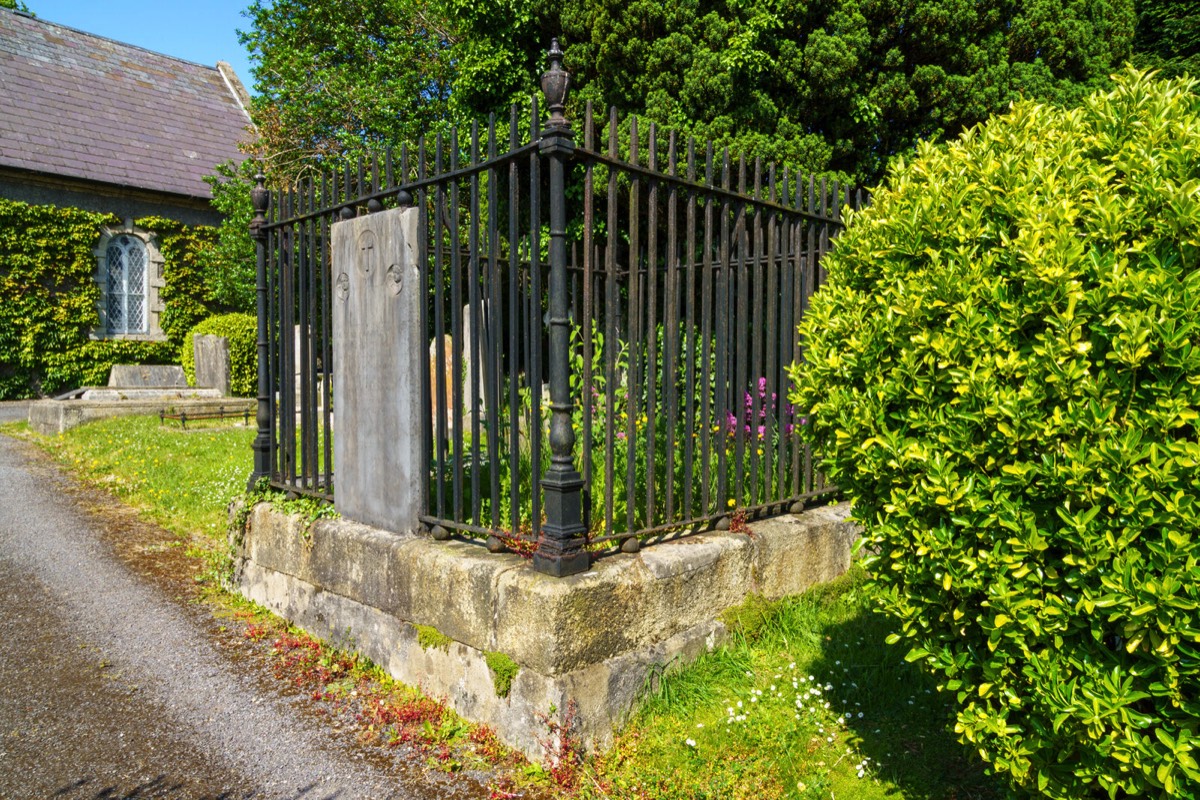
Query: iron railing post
x,y
260,198
560,550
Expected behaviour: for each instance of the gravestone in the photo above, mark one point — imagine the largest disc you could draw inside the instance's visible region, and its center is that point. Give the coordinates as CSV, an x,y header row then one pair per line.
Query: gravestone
x,y
147,376
378,352
211,354
441,386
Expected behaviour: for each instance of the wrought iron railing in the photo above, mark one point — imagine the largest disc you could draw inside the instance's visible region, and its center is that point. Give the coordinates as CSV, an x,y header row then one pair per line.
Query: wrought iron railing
x,y
611,322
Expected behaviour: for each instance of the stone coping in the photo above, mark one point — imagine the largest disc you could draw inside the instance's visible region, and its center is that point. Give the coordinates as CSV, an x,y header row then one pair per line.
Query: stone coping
x,y
592,638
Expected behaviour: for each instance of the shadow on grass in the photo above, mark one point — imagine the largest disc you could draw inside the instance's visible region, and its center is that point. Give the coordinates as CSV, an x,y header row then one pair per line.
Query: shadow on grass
x,y
903,724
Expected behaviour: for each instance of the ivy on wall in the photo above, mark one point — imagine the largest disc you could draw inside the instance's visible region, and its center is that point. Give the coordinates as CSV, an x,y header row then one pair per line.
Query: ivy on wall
x,y
49,297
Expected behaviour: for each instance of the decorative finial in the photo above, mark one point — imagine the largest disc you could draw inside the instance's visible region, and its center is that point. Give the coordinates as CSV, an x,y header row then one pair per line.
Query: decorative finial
x,y
260,199
555,83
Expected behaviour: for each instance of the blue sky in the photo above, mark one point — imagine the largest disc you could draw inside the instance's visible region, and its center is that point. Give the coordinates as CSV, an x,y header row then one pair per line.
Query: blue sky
x,y
204,31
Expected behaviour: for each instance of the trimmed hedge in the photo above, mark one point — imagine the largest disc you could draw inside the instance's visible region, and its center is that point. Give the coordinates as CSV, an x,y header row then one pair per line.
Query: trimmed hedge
x,y
48,297
1004,374
242,332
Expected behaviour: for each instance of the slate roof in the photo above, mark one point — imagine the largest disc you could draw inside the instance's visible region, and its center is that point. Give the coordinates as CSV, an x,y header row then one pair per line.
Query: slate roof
x,y
80,105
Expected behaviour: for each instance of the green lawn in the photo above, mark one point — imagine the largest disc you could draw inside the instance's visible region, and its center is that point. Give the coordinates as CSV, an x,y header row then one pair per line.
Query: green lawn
x,y
805,701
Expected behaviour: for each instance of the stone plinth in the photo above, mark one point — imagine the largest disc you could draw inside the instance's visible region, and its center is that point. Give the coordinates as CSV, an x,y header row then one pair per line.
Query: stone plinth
x,y
591,638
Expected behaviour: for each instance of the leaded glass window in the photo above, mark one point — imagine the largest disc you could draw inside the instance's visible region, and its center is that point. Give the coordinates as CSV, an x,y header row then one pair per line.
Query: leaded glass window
x,y
125,284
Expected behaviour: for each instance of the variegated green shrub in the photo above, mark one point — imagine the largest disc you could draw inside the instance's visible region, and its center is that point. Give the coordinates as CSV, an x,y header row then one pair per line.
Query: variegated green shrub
x,y
1004,374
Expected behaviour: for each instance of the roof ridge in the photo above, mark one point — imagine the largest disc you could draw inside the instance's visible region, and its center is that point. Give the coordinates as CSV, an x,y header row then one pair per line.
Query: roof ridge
x,y
32,18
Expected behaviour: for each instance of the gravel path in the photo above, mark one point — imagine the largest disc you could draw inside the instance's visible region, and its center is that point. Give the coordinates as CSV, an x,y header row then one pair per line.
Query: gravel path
x,y
111,688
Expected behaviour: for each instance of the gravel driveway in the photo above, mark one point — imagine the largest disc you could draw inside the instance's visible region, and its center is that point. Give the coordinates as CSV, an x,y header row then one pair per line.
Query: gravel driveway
x,y
111,687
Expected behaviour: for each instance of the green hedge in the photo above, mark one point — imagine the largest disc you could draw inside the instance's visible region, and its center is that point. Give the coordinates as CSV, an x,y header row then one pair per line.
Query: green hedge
x,y
242,332
1004,374
48,297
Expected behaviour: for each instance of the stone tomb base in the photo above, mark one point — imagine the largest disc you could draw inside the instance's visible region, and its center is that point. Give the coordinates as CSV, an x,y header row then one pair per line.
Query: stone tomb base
x,y
592,638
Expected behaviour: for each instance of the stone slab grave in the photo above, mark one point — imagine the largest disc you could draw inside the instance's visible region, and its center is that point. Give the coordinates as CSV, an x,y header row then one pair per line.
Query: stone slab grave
x,y
592,640
132,389
211,356
372,580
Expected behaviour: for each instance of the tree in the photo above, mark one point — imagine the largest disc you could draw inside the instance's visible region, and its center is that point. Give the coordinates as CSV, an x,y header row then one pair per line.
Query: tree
x,y
15,5
840,85
826,85
1168,36
337,79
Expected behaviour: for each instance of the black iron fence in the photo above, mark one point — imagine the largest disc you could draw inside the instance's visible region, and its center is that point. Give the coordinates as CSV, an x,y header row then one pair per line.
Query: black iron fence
x,y
611,316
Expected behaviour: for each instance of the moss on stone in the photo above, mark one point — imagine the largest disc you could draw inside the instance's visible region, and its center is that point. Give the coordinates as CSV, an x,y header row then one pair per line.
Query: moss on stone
x,y
504,669
749,617
430,638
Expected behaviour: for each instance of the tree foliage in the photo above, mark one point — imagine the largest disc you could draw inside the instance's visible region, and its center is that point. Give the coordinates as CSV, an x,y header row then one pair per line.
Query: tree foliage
x,y
337,79
1003,373
830,85
1168,36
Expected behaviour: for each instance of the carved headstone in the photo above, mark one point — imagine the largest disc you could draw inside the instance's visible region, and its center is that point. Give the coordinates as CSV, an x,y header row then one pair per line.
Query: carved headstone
x,y
378,352
211,355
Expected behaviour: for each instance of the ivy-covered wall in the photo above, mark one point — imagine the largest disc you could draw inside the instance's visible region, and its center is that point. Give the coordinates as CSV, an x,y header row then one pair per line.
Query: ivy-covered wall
x,y
49,297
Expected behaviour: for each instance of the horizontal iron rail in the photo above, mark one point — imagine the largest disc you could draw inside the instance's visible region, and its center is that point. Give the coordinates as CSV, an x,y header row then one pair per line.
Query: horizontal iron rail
x,y
411,186
731,195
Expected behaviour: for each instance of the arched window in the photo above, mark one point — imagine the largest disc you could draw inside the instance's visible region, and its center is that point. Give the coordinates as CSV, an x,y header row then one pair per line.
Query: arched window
x,y
125,284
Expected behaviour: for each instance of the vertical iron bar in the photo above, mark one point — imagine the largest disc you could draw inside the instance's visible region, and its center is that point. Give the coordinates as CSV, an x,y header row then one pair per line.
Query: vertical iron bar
x,y
457,402
653,374
742,331
771,363
444,398
610,329
722,344
690,295
587,392
757,372
633,321
671,332
326,340
534,332
474,344
707,378
514,340
493,329
405,199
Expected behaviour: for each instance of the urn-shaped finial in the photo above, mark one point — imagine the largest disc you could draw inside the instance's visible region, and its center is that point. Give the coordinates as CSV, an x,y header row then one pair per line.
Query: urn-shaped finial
x,y
555,83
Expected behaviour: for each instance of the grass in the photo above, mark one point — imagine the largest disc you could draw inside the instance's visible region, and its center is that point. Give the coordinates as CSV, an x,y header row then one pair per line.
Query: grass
x,y
182,480
804,701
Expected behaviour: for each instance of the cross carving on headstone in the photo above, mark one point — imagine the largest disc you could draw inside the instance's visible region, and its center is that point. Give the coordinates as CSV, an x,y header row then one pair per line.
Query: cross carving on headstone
x,y
366,247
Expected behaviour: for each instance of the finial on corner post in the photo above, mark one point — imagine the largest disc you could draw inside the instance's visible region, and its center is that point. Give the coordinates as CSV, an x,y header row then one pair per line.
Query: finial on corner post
x,y
260,200
555,83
